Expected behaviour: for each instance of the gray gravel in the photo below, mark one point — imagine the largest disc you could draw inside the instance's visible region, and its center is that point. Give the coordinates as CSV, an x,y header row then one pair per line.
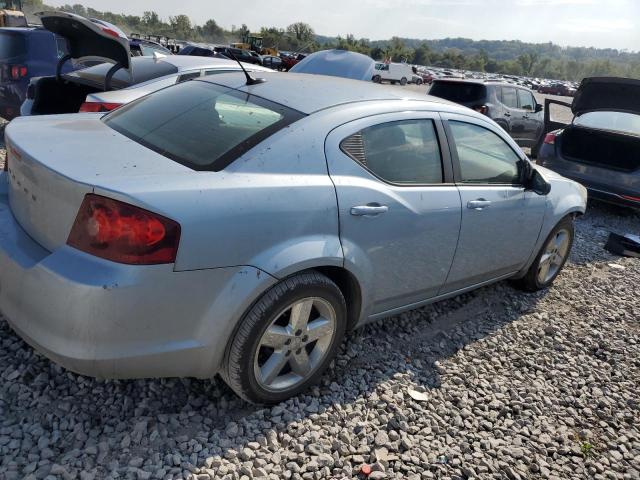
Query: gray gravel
x,y
492,384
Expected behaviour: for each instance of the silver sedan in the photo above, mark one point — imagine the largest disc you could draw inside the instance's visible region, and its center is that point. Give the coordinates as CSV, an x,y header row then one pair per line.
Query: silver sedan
x,y
242,227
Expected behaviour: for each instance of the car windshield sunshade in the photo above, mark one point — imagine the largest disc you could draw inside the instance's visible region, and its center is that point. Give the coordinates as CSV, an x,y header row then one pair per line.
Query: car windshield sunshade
x,y
144,69
458,92
199,124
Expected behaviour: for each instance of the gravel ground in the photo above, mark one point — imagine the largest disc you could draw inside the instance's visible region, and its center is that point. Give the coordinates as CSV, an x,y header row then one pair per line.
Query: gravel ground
x,y
492,384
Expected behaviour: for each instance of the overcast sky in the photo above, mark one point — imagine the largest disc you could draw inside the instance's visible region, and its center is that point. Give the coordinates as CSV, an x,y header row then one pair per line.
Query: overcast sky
x,y
610,23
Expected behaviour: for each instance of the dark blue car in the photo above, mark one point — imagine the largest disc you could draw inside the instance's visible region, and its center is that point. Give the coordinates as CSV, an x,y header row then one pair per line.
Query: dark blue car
x,y
26,52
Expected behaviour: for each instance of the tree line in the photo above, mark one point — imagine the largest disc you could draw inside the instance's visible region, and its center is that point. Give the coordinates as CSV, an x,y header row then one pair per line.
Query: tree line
x,y
545,60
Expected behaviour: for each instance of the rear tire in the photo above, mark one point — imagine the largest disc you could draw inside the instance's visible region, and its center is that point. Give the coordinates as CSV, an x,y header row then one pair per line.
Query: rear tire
x,y
551,258
287,339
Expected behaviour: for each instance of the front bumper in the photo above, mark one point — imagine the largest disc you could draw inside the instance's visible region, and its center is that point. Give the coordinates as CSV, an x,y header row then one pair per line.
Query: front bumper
x,y
109,320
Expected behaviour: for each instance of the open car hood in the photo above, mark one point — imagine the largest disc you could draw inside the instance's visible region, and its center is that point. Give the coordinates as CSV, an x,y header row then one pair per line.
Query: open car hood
x,y
607,93
89,40
337,63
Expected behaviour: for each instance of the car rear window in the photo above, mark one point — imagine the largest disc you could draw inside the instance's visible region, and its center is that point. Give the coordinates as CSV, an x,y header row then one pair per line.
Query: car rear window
x,y
459,92
12,45
144,69
622,122
201,125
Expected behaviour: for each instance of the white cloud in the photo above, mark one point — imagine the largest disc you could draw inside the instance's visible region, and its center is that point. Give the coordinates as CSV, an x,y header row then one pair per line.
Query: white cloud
x,y
594,25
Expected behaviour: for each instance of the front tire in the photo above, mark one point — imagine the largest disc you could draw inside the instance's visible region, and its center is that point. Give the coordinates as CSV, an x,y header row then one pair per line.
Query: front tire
x,y
287,339
403,81
551,258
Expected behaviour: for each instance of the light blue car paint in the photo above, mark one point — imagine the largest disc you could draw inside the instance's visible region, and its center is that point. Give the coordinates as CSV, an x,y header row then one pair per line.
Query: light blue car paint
x,y
280,208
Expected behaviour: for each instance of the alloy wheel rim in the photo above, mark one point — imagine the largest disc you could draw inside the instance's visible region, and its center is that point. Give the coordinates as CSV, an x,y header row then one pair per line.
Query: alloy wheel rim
x,y
554,256
295,344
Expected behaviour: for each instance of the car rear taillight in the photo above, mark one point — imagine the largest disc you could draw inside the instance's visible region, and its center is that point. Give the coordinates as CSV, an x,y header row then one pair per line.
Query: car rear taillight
x,y
483,109
550,138
16,72
123,233
98,106
629,197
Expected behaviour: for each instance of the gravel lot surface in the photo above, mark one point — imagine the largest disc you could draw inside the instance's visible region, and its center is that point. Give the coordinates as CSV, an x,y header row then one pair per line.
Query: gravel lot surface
x,y
492,384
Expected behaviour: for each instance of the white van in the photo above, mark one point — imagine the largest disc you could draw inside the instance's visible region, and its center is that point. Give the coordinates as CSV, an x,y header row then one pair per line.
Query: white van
x,y
393,72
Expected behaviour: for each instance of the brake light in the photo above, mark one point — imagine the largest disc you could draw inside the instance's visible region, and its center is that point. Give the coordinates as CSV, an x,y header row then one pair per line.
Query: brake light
x,y
550,138
98,106
629,197
483,109
16,72
109,31
123,233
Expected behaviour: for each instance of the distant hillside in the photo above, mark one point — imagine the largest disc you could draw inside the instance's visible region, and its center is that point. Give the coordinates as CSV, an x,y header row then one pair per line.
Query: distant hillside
x,y
546,60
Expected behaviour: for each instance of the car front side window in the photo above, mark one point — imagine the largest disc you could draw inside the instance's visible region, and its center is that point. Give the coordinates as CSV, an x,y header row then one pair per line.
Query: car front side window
x,y
403,152
526,100
484,157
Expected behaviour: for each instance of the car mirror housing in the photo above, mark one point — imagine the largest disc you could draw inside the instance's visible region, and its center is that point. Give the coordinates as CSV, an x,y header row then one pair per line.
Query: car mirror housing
x,y
538,108
537,183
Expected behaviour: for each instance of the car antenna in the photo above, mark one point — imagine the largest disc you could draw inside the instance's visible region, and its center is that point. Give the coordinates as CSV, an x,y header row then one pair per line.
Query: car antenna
x,y
250,79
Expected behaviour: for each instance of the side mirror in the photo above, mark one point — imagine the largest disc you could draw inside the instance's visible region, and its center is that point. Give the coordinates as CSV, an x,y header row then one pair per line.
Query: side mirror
x,y
538,108
537,183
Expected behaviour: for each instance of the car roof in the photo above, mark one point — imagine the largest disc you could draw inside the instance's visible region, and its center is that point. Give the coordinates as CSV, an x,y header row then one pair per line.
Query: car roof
x,y
308,93
189,62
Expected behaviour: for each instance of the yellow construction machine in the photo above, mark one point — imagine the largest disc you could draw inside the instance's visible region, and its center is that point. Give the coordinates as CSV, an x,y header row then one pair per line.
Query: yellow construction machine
x,y
11,14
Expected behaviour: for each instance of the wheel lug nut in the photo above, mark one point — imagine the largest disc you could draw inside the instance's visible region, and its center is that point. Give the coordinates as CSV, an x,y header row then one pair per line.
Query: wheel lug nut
x,y
305,338
299,351
288,341
298,333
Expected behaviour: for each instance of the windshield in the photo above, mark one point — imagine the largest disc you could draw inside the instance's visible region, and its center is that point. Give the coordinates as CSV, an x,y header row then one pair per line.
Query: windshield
x,y
458,92
201,125
614,121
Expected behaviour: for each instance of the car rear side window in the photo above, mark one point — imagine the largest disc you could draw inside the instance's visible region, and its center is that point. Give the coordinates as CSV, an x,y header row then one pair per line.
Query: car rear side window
x,y
484,157
404,152
509,97
12,45
199,124
459,92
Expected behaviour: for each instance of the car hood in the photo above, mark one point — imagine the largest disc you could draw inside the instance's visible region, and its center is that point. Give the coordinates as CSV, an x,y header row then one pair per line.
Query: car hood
x,y
607,93
337,63
89,40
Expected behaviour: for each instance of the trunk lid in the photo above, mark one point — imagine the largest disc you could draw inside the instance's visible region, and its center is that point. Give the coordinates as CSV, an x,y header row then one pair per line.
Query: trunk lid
x,y
607,93
89,40
55,160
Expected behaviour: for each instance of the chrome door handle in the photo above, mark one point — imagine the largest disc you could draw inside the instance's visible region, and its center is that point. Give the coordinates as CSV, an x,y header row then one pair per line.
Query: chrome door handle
x,y
525,116
507,114
371,209
478,204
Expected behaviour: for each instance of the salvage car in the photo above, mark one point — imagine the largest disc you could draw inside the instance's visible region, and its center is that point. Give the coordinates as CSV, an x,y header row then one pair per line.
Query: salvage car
x,y
601,147
242,225
337,63
107,86
512,107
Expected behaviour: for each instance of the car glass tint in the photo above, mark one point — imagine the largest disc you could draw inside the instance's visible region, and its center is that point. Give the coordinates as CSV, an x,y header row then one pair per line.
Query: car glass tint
x,y
143,68
459,92
405,152
483,156
526,100
12,45
199,124
509,97
613,121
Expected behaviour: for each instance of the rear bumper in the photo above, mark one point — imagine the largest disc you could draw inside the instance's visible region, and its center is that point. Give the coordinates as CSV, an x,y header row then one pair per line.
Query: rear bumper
x,y
601,184
109,320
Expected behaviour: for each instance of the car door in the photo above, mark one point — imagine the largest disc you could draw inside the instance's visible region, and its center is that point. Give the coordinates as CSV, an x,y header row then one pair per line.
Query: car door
x,y
512,113
532,120
399,209
500,220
